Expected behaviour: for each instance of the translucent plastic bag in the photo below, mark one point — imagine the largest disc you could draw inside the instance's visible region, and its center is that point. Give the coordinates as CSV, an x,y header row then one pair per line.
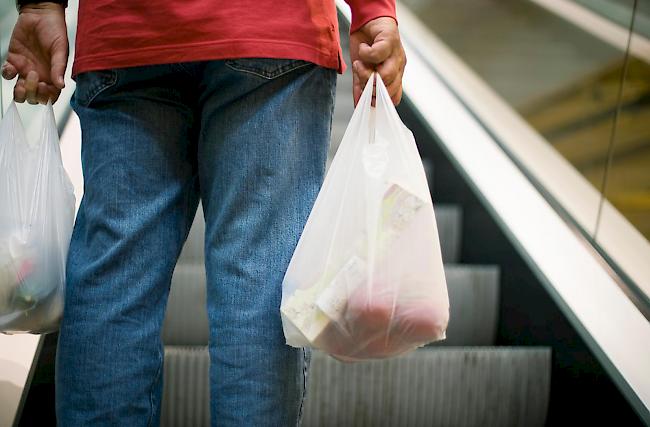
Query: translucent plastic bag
x,y
366,279
36,217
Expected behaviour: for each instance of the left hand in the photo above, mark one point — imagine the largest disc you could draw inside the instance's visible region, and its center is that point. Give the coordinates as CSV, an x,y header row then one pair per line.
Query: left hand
x,y
377,47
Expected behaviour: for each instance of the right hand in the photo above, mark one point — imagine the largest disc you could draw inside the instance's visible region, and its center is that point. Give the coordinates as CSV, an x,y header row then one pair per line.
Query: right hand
x,y
38,53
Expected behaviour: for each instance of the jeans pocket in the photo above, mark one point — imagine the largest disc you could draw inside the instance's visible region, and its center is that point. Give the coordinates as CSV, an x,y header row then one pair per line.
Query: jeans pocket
x,y
267,68
92,83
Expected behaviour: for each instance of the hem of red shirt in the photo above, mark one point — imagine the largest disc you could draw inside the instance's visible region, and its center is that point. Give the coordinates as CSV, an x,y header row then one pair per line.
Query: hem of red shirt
x,y
206,51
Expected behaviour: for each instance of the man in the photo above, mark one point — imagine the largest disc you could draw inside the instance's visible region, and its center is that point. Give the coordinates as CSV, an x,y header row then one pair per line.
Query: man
x,y
226,102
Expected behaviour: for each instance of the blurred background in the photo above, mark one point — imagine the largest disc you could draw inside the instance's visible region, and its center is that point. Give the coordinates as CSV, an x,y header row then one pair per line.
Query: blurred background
x,y
588,97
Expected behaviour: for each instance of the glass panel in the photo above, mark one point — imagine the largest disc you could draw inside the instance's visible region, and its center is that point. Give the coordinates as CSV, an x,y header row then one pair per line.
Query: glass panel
x,y
619,12
562,79
627,185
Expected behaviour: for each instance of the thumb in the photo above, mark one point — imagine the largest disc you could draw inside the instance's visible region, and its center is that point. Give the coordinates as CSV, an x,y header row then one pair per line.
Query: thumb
x,y
58,65
9,71
375,54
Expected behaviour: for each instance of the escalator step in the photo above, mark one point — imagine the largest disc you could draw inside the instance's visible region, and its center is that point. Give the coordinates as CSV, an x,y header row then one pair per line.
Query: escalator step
x,y
449,220
187,295
432,387
474,304
429,387
186,387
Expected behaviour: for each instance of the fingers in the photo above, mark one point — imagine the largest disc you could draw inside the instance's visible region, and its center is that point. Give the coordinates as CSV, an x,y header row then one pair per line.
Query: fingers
x,y
360,75
58,64
19,91
385,58
391,77
356,87
43,93
392,69
396,95
31,87
9,71
39,93
375,54
391,73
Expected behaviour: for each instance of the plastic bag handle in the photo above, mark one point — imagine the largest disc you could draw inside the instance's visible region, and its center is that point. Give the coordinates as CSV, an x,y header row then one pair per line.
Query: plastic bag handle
x,y
382,101
380,90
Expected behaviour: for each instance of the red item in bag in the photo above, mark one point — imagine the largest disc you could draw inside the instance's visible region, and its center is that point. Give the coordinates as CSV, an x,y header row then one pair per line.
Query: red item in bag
x,y
378,324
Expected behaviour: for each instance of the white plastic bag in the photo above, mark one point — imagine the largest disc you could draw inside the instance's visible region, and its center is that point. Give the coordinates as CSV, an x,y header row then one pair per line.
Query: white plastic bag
x,y
36,217
366,279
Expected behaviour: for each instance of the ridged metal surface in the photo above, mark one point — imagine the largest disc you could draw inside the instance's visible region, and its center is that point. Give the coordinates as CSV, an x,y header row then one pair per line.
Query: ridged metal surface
x,y
461,387
186,391
473,303
473,296
448,218
186,318
193,251
449,221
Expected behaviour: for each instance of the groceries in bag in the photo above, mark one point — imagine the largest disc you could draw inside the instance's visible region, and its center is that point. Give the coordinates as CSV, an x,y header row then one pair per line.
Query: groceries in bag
x,y
366,279
35,226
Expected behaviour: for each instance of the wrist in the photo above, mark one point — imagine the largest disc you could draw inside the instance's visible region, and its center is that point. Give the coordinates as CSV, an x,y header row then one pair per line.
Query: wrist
x,y
23,5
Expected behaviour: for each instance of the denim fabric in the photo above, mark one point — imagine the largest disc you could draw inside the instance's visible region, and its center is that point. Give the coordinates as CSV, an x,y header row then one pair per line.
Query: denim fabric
x,y
249,138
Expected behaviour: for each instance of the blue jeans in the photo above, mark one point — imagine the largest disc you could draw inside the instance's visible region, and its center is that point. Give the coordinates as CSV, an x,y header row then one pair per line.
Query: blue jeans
x,y
247,137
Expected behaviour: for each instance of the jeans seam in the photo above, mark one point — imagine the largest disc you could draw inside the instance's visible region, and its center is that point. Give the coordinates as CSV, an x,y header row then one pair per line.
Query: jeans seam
x,y
181,66
99,88
304,387
153,389
267,76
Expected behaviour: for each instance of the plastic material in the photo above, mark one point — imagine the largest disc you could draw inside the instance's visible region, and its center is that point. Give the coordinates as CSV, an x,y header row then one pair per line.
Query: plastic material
x,y
36,217
366,279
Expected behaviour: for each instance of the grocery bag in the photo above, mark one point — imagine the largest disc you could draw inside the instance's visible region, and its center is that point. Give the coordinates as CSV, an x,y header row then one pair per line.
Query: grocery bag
x,y
36,217
366,279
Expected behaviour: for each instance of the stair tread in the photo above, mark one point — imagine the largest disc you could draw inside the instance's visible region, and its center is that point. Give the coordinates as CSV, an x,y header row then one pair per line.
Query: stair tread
x,y
450,386
448,218
443,386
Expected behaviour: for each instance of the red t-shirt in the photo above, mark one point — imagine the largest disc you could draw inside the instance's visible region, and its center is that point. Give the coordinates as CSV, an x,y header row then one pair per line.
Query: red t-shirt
x,y
127,33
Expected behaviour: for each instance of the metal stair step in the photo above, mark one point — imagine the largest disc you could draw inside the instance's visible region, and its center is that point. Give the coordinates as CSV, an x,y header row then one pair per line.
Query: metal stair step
x,y
193,250
462,387
474,304
186,317
186,387
449,219
432,387
473,297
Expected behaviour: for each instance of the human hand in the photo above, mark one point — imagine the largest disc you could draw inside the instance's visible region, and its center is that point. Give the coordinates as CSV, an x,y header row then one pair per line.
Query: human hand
x,y
38,53
377,47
